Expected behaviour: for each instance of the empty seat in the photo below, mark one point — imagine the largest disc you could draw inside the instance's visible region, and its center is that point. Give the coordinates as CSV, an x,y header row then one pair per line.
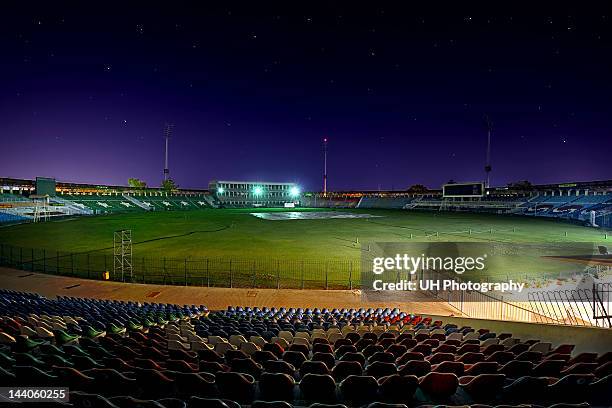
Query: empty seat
x,y
415,367
439,385
344,369
379,369
359,390
318,387
397,388
484,387
276,387
236,386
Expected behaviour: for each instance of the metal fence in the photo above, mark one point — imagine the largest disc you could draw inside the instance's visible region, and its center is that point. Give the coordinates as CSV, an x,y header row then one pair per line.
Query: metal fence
x,y
208,272
484,305
580,306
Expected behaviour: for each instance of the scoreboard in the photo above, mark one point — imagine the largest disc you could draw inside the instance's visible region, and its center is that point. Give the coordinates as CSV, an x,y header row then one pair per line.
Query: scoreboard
x,y
45,186
463,190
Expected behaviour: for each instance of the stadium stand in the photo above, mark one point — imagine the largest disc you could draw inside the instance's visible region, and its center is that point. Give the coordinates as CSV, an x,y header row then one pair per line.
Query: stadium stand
x,y
384,202
7,197
103,204
6,218
329,202
173,202
164,355
117,203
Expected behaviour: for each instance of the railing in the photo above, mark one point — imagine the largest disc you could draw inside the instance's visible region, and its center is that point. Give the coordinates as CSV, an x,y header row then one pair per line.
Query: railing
x,y
484,305
579,307
209,272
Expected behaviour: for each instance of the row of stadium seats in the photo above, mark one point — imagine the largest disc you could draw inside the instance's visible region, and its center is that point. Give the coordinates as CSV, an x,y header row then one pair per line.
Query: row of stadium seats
x,y
8,197
104,204
114,353
384,202
329,202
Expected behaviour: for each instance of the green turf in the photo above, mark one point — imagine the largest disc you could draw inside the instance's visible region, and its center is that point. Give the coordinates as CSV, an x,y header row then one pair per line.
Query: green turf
x,y
235,234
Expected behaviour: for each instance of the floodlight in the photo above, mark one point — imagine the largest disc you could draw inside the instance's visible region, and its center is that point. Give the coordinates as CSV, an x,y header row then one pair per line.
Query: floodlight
x,y
220,190
257,190
295,191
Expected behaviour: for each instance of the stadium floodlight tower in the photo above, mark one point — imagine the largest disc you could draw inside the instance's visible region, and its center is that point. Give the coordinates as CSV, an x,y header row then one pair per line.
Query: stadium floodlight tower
x,y
488,167
122,254
167,133
324,166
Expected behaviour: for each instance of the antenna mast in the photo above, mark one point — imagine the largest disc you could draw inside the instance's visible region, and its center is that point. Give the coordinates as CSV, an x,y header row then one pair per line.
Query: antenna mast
x,y
324,166
167,133
488,167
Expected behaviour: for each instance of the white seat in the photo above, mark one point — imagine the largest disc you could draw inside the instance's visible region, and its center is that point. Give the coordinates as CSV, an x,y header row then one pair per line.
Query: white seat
x,y
200,345
332,338
69,320
258,340
510,341
27,330
6,338
302,335
44,333
286,335
177,345
282,342
471,336
176,337
221,348
301,340
488,342
216,339
237,339
542,347
249,347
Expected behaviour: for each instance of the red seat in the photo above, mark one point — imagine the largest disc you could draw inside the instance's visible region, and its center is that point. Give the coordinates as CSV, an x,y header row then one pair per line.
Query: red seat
x,y
549,368
415,367
482,367
515,368
580,368
501,357
440,357
439,385
409,356
563,349
471,358
454,367
484,387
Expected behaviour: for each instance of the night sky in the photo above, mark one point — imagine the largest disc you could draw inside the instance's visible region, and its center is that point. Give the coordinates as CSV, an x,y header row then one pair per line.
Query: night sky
x,y
252,89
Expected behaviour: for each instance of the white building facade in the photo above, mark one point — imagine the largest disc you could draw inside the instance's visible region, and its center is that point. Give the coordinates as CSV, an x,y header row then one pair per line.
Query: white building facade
x,y
255,193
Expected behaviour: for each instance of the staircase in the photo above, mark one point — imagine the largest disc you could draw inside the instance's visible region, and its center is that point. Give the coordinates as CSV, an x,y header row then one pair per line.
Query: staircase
x,y
72,207
214,203
137,203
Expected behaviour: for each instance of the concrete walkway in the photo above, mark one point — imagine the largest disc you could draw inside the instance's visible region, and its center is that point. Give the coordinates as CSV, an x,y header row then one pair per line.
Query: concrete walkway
x,y
214,298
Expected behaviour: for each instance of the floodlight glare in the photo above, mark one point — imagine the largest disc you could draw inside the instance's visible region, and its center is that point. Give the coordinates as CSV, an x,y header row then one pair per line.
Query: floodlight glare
x,y
295,191
257,190
220,190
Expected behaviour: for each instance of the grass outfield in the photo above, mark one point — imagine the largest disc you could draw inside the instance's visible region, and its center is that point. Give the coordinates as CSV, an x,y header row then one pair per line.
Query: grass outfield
x,y
235,234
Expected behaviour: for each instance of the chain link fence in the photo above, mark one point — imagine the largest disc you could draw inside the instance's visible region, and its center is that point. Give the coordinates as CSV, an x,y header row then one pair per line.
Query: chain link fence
x,y
208,272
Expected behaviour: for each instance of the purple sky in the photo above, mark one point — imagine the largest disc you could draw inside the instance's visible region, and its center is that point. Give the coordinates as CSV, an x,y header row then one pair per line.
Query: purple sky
x,y
400,92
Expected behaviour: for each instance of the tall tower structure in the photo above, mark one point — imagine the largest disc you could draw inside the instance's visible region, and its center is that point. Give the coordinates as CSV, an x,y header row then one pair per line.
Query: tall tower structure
x,y
167,133
324,166
488,167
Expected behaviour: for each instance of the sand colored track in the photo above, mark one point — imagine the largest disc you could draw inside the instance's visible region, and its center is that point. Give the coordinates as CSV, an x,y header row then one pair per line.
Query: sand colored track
x,y
214,298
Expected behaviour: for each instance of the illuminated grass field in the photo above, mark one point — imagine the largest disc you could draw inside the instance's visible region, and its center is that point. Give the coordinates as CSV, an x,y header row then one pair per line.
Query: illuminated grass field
x,y
259,248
